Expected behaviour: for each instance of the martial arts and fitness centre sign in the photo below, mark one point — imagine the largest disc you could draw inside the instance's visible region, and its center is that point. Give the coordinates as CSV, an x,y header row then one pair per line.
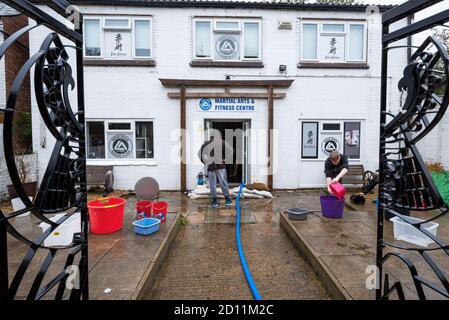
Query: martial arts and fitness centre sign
x,y
227,105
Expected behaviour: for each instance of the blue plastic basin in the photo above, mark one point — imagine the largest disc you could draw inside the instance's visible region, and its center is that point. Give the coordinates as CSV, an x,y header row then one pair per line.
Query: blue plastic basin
x,y
147,226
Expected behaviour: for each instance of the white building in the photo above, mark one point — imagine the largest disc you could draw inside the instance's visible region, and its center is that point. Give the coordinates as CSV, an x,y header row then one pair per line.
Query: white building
x,y
310,72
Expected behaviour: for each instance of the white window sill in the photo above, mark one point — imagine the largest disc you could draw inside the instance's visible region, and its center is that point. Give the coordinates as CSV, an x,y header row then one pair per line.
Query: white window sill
x,y
124,162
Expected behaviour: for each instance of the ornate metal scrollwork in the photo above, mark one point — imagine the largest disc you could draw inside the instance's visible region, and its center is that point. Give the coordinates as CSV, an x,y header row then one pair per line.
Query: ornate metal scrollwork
x,y
63,186
406,182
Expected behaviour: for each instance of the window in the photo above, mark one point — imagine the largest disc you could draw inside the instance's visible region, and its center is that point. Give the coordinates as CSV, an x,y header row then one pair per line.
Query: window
x,y
144,140
118,38
92,38
119,126
352,140
96,144
120,140
320,138
227,40
331,126
333,41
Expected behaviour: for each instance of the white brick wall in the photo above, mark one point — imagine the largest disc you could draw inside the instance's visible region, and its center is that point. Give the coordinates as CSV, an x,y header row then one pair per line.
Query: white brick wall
x,y
136,93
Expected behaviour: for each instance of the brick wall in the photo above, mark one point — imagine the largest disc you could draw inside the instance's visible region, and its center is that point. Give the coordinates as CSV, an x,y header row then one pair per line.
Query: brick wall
x,y
10,65
15,57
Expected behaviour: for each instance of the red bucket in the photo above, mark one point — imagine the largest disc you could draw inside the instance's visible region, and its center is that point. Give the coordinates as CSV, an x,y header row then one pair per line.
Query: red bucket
x,y
106,215
144,206
338,190
160,210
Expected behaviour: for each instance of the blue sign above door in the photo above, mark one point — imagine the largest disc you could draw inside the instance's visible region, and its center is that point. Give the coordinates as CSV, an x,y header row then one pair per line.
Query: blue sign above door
x,y
233,105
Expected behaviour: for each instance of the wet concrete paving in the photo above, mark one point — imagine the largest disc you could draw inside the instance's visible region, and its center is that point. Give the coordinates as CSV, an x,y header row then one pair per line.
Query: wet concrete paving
x,y
117,262
204,263
347,247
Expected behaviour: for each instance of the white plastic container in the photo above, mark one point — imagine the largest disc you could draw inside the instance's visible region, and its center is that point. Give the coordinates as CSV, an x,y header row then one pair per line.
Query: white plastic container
x,y
62,235
406,232
17,204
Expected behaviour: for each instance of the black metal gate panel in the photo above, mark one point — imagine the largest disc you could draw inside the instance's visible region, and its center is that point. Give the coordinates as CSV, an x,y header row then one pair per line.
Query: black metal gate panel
x,y
405,183
63,187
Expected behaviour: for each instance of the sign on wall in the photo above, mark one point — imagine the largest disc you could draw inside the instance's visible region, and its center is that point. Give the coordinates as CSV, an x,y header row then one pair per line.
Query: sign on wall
x,y
332,48
228,105
120,146
118,44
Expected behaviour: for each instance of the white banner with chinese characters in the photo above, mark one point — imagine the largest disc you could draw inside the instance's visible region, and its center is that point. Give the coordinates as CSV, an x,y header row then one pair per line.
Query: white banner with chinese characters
x,y
118,44
332,48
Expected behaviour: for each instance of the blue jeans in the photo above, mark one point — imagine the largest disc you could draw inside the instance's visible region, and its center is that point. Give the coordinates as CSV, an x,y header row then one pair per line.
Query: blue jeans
x,y
222,178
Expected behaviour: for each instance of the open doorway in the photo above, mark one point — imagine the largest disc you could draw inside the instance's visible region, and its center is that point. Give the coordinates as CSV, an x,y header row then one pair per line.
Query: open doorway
x,y
237,171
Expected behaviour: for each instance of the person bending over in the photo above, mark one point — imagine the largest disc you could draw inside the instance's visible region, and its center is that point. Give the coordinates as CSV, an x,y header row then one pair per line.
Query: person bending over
x,y
211,155
335,168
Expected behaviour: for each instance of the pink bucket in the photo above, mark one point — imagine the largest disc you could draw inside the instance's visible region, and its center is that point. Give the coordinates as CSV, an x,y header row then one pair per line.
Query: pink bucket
x,y
338,190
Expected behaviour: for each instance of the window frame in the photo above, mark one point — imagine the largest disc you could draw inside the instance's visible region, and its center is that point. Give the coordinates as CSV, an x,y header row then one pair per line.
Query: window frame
x,y
133,130
342,131
347,23
211,39
131,29
101,56
365,43
134,19
214,30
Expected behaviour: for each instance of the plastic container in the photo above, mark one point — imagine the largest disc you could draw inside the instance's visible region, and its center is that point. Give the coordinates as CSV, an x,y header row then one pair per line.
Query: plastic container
x,y
338,190
160,210
147,226
332,207
297,213
106,215
17,204
145,207
406,232
62,236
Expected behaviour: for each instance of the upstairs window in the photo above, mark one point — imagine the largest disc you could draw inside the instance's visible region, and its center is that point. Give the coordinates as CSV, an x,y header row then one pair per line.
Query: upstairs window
x,y
227,40
330,42
118,38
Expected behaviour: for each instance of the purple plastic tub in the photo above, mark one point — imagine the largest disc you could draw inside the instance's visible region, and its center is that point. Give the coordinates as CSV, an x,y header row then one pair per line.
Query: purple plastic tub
x,y
332,207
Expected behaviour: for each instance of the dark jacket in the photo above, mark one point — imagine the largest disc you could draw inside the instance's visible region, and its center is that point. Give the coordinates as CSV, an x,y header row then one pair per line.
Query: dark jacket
x,y
332,170
207,155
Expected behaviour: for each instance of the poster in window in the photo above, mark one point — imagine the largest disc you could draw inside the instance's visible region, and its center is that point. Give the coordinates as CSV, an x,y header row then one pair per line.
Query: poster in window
x,y
227,47
120,145
330,142
310,140
352,140
332,48
118,44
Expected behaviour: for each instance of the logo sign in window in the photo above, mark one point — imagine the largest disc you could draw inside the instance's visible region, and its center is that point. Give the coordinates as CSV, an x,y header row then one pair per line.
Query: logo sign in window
x,y
227,47
330,144
120,146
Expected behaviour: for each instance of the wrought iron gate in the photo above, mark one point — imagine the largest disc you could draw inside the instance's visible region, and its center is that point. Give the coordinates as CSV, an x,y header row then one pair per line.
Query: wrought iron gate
x,y
63,187
405,184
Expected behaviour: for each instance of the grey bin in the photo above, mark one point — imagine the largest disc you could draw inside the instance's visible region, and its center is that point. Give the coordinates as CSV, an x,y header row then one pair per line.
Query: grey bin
x,y
297,213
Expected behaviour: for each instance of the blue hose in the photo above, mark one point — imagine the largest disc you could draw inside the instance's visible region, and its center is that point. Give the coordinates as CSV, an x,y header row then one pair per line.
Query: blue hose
x,y
245,268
